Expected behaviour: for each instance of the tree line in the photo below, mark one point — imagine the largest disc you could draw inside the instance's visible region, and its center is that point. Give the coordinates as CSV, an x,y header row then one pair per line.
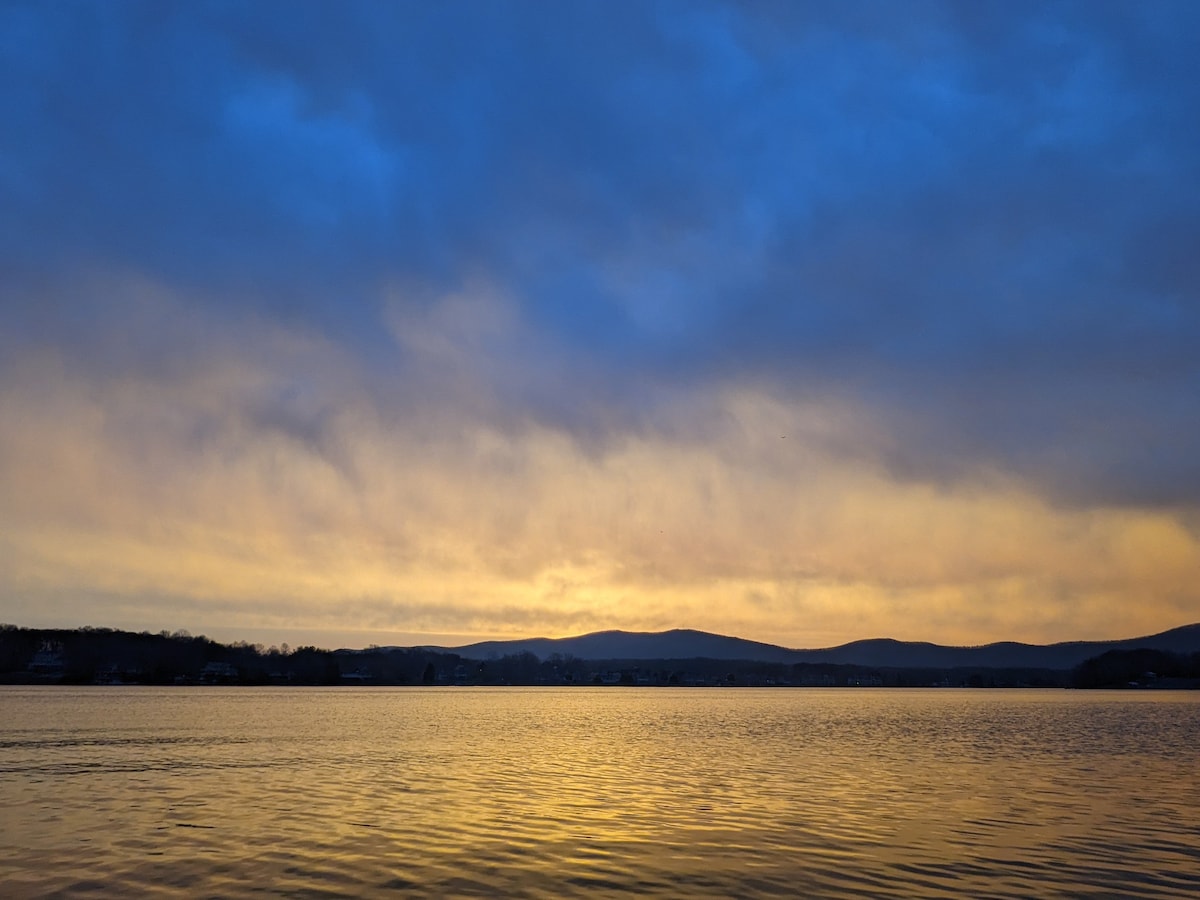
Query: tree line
x,y
1138,669
92,655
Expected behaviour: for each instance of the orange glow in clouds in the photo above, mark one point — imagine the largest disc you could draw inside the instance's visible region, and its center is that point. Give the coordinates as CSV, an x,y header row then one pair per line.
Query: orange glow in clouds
x,y
177,502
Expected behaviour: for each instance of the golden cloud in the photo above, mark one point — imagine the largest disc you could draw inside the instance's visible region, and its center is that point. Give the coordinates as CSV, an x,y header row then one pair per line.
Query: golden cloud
x,y
267,483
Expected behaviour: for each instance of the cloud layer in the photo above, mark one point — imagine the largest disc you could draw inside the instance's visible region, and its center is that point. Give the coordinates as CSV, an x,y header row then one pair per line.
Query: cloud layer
x,y
803,325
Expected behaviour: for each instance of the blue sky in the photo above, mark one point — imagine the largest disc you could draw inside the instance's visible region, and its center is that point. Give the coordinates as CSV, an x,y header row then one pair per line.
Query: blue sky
x,y
378,321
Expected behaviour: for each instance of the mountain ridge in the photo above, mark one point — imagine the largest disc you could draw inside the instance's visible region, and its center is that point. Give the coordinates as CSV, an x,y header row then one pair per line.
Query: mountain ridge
x,y
686,643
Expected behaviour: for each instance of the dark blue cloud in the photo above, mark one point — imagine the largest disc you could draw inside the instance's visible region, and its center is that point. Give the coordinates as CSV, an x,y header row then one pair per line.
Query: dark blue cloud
x,y
979,217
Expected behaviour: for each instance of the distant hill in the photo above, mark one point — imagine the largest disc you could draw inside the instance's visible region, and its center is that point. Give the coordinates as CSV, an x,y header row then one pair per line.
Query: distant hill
x,y
878,653
682,643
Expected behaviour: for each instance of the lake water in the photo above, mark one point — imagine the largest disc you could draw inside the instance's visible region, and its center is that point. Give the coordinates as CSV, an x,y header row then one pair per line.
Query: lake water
x,y
598,791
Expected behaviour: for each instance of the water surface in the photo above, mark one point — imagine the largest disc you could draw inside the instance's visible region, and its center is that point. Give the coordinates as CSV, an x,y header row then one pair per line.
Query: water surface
x,y
557,792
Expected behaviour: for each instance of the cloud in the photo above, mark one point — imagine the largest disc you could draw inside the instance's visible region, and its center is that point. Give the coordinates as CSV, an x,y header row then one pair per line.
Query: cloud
x,y
263,484
604,310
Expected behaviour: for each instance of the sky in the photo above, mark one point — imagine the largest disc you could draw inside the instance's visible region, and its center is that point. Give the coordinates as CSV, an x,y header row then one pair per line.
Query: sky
x,y
401,323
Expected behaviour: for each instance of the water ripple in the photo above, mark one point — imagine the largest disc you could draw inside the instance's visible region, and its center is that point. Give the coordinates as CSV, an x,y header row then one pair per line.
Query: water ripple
x,y
606,792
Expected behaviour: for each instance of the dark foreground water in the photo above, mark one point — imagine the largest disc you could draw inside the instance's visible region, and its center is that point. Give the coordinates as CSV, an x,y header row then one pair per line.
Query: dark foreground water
x,y
586,792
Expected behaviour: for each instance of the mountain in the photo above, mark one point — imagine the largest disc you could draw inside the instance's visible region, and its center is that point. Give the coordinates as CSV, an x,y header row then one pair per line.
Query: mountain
x,y
877,653
682,643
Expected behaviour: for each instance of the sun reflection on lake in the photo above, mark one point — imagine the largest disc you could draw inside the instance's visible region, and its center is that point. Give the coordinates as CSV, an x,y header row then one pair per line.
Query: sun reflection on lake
x,y
578,791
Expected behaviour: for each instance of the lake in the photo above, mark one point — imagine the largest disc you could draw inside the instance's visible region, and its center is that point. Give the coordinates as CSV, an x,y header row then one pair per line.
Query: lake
x,y
559,792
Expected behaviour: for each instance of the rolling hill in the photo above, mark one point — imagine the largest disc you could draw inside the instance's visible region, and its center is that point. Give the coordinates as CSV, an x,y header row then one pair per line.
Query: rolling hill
x,y
877,653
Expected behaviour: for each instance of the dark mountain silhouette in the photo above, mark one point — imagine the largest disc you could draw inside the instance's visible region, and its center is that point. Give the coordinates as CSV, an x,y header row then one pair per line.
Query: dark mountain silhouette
x,y
681,643
91,655
879,653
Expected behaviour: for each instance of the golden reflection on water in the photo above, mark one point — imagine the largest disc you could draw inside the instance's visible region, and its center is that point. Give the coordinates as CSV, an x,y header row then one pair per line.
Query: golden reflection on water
x,y
582,791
